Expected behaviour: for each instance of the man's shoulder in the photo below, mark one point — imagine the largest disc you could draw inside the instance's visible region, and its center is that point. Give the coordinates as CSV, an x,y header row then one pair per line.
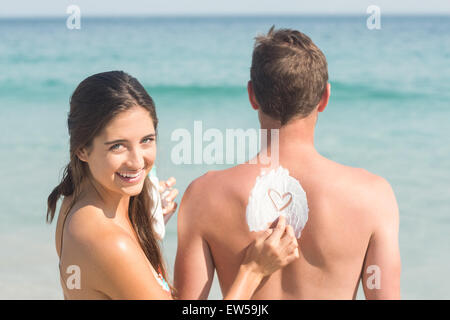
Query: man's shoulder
x,y
357,177
219,189
368,182
365,188
203,182
199,189
360,195
379,196
348,182
198,197
220,181
373,196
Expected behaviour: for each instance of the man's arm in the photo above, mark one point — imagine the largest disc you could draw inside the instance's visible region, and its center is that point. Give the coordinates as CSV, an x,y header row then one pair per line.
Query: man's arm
x,y
382,266
194,266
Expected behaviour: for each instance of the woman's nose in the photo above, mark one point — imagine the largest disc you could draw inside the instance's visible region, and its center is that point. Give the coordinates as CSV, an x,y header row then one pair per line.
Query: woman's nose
x,y
135,159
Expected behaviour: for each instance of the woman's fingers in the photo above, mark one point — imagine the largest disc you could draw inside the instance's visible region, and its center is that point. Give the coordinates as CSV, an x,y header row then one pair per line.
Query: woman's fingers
x,y
171,182
279,229
273,249
171,196
287,247
170,208
292,257
167,193
289,231
291,248
168,196
267,233
288,236
289,241
168,184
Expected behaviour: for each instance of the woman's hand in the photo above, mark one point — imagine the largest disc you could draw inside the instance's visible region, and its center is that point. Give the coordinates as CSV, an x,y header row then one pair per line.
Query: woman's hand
x,y
168,195
272,250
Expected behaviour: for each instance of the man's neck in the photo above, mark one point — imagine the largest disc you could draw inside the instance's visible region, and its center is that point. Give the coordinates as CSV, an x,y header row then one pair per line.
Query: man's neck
x,y
297,133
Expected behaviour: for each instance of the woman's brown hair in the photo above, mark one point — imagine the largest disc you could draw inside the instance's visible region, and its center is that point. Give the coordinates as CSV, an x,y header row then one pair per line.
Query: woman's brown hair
x,y
95,102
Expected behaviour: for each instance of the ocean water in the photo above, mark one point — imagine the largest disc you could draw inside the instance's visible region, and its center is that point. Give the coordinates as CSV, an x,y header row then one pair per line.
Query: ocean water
x,y
388,113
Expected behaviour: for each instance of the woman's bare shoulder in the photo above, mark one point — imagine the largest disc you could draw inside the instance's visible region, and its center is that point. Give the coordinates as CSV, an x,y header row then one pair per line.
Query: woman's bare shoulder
x,y
94,238
108,255
88,231
84,221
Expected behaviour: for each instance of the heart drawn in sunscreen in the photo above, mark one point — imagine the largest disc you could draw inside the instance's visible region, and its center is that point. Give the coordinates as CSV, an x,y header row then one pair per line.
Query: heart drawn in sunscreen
x,y
278,200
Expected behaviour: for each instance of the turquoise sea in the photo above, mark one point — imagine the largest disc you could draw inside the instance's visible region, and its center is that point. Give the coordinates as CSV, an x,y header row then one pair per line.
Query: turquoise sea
x,y
389,113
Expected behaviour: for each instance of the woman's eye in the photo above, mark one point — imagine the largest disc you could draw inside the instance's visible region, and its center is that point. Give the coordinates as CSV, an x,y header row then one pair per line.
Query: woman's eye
x,y
115,147
148,140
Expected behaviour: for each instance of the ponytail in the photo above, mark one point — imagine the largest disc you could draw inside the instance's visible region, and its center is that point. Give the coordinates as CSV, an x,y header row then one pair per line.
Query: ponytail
x,y
65,188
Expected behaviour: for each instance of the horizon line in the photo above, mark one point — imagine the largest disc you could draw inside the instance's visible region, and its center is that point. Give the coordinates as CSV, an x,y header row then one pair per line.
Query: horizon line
x,y
229,15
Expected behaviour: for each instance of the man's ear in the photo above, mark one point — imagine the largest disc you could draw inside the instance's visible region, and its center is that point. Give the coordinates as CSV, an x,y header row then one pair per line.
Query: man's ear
x,y
325,98
82,154
251,96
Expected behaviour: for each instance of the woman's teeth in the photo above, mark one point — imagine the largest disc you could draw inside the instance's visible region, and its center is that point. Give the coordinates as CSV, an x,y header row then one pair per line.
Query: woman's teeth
x,y
129,175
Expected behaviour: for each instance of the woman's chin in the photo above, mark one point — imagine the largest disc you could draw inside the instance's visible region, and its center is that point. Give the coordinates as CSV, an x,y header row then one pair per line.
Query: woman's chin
x,y
132,190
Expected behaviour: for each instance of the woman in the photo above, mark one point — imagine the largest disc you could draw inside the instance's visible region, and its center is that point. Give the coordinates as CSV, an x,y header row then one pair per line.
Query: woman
x,y
105,237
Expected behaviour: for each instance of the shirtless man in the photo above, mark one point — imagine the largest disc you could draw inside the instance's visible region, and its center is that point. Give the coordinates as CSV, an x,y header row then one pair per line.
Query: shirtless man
x,y
352,230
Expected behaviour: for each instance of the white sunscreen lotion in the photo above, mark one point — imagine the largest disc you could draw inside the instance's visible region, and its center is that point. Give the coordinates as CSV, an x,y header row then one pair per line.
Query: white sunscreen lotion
x,y
277,193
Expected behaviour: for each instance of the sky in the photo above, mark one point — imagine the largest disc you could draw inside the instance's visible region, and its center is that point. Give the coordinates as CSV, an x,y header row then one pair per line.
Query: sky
x,y
27,8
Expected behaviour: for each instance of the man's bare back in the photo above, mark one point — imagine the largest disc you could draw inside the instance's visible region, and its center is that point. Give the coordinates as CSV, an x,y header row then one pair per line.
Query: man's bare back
x,y
347,208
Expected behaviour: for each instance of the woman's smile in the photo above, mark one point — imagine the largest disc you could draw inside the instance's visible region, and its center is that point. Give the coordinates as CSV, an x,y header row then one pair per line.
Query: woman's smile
x,y
131,177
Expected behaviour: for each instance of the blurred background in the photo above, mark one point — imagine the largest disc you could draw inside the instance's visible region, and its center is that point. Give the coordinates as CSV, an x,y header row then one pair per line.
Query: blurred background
x,y
388,112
